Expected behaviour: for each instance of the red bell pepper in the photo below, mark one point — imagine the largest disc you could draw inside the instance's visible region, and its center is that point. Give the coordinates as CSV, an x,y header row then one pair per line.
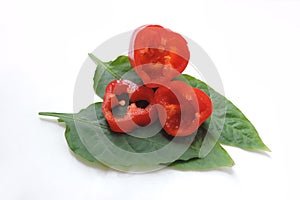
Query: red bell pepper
x,y
157,54
127,106
182,108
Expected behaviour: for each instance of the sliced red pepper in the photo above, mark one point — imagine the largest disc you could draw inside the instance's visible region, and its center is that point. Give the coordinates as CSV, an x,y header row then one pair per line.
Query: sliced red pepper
x,y
183,108
158,54
127,105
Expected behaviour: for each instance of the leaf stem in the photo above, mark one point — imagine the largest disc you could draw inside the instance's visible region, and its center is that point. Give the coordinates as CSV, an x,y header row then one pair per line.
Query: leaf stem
x,y
53,114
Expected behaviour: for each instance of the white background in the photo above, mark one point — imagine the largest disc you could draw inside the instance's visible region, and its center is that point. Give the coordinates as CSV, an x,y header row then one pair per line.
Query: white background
x,y
254,44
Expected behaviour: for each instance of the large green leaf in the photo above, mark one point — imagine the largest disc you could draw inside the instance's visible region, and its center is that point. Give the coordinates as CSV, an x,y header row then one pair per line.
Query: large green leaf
x,y
86,131
106,72
237,130
89,136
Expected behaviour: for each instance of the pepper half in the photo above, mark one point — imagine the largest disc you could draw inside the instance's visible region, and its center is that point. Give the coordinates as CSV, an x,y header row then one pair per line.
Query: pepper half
x,y
182,108
127,106
157,54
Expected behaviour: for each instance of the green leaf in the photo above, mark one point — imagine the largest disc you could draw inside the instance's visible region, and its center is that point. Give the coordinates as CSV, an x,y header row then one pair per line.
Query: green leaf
x,y
106,72
87,130
89,136
216,158
237,130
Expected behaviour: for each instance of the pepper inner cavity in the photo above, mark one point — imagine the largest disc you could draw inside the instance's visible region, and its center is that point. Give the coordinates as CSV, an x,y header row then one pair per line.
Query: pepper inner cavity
x,y
123,99
121,109
141,104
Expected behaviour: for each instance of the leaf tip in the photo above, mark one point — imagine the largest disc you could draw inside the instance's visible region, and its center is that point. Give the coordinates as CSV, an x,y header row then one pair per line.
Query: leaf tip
x,y
231,164
94,58
265,148
90,55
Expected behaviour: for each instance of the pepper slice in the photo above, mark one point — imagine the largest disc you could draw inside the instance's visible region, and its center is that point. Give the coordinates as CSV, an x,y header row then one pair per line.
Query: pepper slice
x,y
127,106
182,108
158,54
